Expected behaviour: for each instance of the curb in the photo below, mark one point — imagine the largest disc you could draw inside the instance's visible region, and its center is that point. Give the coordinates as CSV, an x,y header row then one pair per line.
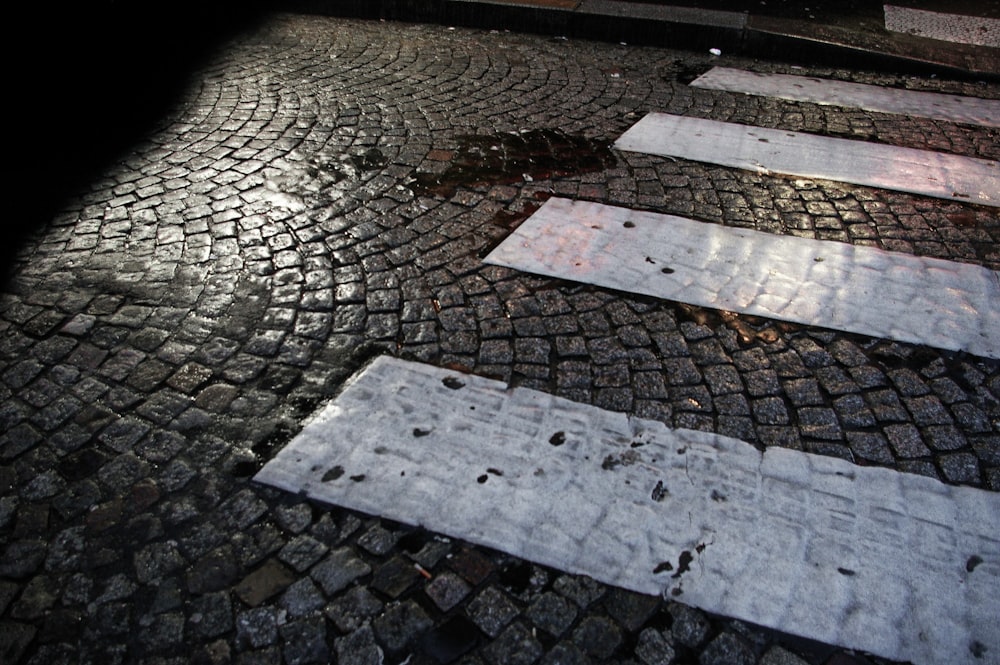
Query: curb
x,y
665,26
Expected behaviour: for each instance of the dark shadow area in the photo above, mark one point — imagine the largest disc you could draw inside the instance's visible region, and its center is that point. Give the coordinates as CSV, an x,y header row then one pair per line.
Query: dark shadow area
x,y
88,81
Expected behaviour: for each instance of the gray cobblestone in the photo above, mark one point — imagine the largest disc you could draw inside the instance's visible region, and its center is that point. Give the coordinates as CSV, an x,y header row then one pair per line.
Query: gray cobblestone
x,y
598,637
304,642
491,611
400,625
516,646
356,607
906,441
727,649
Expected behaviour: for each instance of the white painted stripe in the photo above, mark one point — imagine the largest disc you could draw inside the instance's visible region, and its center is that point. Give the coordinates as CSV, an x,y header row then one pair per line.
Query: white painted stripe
x,y
899,565
777,151
977,30
952,108
858,289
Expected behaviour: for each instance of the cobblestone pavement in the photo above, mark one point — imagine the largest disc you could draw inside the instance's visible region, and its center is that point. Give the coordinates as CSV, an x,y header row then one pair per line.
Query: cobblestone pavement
x,y
322,194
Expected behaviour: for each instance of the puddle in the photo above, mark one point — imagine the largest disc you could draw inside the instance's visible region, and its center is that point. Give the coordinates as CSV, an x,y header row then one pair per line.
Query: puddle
x,y
508,158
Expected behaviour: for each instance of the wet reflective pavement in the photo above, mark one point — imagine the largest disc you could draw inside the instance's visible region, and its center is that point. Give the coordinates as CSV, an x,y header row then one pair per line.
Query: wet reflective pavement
x,y
182,314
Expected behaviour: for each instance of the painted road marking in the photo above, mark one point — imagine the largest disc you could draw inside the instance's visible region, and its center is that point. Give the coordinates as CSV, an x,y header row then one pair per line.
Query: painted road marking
x,y
922,300
952,108
924,172
895,564
977,30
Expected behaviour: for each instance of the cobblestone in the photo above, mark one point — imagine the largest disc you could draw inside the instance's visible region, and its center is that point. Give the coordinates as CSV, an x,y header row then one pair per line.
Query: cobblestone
x,y
204,293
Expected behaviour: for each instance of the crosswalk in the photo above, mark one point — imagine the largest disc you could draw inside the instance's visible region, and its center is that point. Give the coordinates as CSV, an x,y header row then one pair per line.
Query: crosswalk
x,y
945,304
902,566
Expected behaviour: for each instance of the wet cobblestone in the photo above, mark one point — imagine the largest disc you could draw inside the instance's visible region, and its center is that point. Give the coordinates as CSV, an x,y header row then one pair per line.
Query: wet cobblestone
x,y
181,317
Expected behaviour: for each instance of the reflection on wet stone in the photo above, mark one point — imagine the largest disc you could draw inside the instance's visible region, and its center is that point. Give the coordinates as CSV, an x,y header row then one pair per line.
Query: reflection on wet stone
x,y
536,154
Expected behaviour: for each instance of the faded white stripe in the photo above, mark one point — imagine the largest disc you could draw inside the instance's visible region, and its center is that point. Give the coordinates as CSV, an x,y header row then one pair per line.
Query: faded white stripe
x,y
777,151
952,108
858,289
866,558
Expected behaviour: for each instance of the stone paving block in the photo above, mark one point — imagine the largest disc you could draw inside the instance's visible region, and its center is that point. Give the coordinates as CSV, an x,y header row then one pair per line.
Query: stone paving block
x,y
156,560
491,611
598,637
400,625
516,646
378,540
447,590
690,627
211,614
552,613
305,642
268,580
395,577
353,609
727,649
870,445
906,441
256,628
566,653
358,648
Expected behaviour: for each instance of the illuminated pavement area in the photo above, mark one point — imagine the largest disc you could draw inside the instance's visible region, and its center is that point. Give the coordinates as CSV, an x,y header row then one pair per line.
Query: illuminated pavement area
x,y
323,193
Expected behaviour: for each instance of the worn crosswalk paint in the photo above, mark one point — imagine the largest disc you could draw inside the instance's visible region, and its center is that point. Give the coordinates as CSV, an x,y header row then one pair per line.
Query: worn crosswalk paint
x,y
857,289
978,30
899,565
925,172
952,108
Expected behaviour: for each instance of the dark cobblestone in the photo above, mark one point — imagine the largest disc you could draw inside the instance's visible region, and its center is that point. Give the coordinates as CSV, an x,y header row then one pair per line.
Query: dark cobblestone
x,y
654,648
598,637
516,646
690,627
906,441
353,609
960,468
305,642
727,649
552,613
491,611
400,625
447,590
256,628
